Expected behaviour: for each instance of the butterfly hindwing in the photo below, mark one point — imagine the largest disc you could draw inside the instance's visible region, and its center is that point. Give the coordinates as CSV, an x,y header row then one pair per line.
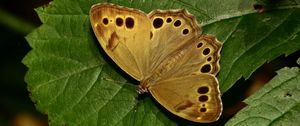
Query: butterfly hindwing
x,y
193,97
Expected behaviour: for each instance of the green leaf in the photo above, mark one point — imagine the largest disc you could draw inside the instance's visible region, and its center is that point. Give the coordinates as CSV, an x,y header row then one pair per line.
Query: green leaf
x,y
253,39
276,104
73,81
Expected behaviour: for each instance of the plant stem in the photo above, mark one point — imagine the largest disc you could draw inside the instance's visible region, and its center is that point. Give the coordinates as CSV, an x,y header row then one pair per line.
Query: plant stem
x,y
15,23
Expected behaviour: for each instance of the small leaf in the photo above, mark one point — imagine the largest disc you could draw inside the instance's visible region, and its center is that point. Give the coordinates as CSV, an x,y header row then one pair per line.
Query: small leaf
x,y
276,104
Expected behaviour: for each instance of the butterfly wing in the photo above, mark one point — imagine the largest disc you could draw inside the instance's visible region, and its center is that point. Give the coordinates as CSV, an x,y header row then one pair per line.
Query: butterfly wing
x,y
200,55
193,97
189,88
176,33
171,30
124,34
189,62
165,50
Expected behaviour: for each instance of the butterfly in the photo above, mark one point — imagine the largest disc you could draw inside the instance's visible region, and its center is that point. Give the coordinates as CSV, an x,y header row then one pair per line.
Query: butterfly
x,y
166,51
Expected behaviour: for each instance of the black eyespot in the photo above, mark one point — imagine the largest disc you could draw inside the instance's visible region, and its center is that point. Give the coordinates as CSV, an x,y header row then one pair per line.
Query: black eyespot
x,y
185,31
177,23
105,21
158,22
203,98
203,90
209,59
129,22
206,68
203,110
169,20
206,51
199,45
119,21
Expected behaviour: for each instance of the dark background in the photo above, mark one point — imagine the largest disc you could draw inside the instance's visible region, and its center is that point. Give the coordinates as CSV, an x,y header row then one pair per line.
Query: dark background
x,y
18,18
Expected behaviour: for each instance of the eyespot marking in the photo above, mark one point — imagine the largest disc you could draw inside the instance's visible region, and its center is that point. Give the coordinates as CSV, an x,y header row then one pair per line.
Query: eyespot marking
x,y
206,68
185,31
129,22
203,109
105,21
177,23
199,45
169,20
203,90
209,59
206,51
119,21
203,98
158,22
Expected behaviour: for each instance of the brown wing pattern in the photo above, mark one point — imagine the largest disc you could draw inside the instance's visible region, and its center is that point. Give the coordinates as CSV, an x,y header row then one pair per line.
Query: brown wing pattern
x,y
170,31
121,32
193,97
183,50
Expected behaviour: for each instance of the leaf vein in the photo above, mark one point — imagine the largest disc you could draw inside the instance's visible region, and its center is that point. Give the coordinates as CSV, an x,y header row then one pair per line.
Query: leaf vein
x,y
234,62
65,76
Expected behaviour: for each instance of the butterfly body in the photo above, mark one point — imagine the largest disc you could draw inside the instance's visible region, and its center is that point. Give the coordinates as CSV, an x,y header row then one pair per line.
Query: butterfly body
x,y
167,53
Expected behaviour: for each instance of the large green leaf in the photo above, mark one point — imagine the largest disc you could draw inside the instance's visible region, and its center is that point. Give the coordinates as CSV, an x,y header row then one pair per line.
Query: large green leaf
x,y
75,83
276,104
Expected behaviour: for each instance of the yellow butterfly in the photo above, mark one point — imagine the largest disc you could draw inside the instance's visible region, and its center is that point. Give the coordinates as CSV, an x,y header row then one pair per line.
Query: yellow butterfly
x,y
167,53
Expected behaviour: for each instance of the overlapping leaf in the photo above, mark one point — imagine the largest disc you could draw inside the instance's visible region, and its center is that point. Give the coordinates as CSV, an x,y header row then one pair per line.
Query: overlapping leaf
x,y
276,104
71,81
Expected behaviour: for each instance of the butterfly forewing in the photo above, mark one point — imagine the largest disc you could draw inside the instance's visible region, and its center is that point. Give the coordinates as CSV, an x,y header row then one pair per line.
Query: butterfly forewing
x,y
124,34
171,31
